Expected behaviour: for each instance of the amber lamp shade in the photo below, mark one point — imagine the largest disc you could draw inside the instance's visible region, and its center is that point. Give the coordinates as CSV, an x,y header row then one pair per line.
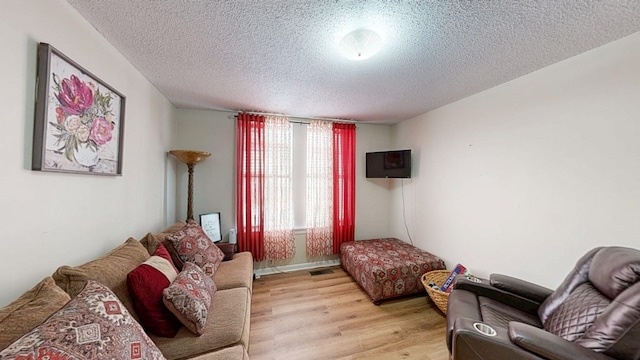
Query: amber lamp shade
x,y
191,158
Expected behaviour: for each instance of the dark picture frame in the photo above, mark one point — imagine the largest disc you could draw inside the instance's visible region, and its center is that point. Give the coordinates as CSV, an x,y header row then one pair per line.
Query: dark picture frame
x,y
210,224
79,119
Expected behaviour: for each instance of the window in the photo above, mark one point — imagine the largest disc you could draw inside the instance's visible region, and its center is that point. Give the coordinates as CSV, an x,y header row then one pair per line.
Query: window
x,y
294,175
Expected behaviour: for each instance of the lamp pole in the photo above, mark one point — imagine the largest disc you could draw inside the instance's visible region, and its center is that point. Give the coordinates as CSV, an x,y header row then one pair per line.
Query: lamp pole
x,y
191,158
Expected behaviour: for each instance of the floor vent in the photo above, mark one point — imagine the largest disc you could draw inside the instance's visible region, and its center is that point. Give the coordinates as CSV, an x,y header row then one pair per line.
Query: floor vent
x,y
321,272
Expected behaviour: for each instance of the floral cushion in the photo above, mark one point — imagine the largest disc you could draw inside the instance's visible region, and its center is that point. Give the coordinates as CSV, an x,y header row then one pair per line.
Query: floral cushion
x,y
194,246
145,284
387,268
93,325
189,297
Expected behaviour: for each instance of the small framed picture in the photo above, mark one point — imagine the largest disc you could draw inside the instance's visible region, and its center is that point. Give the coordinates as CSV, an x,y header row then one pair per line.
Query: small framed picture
x,y
210,223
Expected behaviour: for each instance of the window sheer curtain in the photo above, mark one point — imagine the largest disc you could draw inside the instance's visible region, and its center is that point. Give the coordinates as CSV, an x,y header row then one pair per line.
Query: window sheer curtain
x,y
279,241
319,204
263,190
330,186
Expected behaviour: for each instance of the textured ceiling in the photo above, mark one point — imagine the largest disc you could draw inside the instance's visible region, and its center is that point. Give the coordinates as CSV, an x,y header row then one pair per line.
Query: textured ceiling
x,y
282,56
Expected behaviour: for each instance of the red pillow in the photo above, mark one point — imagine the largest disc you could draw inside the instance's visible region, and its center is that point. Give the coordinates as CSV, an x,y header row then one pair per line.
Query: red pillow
x,y
145,284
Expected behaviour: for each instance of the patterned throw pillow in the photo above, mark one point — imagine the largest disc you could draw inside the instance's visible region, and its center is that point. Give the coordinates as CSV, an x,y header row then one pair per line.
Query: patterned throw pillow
x,y
194,246
189,297
93,325
145,284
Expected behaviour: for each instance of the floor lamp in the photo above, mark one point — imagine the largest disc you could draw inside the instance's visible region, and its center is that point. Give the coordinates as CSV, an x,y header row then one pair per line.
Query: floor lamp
x,y
191,158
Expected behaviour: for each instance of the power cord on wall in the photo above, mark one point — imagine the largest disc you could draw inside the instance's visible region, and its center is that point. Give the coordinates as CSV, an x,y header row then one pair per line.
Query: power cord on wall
x,y
404,214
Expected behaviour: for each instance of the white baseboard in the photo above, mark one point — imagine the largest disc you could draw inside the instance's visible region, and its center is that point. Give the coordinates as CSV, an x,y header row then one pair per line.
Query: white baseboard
x,y
295,267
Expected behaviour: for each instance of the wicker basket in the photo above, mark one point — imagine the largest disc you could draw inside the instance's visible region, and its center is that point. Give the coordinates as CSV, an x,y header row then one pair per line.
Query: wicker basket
x,y
440,298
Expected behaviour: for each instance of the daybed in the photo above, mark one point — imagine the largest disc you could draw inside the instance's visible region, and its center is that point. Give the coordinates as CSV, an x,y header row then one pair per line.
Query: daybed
x,y
225,335
387,268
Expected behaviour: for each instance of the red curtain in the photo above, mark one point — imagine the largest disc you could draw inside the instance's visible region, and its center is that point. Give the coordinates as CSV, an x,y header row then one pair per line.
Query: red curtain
x,y
344,184
250,164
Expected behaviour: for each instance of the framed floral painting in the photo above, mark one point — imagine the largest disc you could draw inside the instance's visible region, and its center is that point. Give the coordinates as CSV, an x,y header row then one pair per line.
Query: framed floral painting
x,y
79,119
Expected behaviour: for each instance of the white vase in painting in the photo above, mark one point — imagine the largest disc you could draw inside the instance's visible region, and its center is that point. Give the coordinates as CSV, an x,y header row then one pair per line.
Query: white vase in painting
x,y
85,155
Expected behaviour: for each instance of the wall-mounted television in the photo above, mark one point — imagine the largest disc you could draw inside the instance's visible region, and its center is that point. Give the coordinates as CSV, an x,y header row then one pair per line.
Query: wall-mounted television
x,y
389,164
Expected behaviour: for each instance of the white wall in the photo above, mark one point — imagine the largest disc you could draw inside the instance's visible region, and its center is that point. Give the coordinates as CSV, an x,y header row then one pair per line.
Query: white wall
x,y
526,177
214,178
50,219
373,197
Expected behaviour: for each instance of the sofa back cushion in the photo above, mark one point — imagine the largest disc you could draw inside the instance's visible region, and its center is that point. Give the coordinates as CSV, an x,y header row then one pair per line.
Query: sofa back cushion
x,y
598,305
110,270
615,269
615,272
577,313
616,330
576,277
30,309
152,241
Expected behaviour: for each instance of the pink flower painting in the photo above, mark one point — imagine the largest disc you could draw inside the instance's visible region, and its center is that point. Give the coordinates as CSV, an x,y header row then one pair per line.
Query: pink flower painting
x,y
79,118
101,130
75,96
83,117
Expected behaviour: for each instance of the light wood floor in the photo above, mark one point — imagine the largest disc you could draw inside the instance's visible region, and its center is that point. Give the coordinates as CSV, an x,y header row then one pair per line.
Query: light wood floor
x,y
296,316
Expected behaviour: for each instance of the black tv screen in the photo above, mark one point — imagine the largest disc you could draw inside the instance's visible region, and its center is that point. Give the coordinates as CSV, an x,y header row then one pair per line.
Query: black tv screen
x,y
389,164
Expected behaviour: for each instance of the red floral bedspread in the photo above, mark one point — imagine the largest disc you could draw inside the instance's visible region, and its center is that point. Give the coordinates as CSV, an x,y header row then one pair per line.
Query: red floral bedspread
x,y
387,268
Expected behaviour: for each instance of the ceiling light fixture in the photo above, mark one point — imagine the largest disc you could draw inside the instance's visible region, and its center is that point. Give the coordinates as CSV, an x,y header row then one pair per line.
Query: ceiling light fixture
x,y
360,44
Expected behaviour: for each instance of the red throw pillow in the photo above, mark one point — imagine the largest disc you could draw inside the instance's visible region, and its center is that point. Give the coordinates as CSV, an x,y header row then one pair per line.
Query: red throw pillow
x,y
145,284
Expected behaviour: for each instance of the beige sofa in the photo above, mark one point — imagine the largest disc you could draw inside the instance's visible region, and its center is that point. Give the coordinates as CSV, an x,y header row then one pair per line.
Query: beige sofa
x,y
226,334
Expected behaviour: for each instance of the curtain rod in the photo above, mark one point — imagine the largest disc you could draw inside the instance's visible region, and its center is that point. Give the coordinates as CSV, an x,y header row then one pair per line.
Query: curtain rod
x,y
293,117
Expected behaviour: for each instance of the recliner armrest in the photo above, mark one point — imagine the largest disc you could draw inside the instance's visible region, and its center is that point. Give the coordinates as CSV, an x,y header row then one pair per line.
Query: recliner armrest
x,y
471,344
485,289
520,287
548,345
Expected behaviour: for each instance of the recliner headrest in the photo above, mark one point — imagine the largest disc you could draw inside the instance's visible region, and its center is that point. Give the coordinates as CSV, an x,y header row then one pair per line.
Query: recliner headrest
x,y
614,269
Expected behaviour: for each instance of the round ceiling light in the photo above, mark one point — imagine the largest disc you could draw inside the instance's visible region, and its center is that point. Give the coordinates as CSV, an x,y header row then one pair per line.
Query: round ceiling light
x,y
360,44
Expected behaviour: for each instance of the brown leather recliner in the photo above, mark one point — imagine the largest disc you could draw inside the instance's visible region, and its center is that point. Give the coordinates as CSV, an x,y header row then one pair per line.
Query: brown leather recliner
x,y
593,314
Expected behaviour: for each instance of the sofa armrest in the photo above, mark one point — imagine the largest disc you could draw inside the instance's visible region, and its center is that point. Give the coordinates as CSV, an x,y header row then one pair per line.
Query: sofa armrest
x,y
548,345
484,288
520,287
228,249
